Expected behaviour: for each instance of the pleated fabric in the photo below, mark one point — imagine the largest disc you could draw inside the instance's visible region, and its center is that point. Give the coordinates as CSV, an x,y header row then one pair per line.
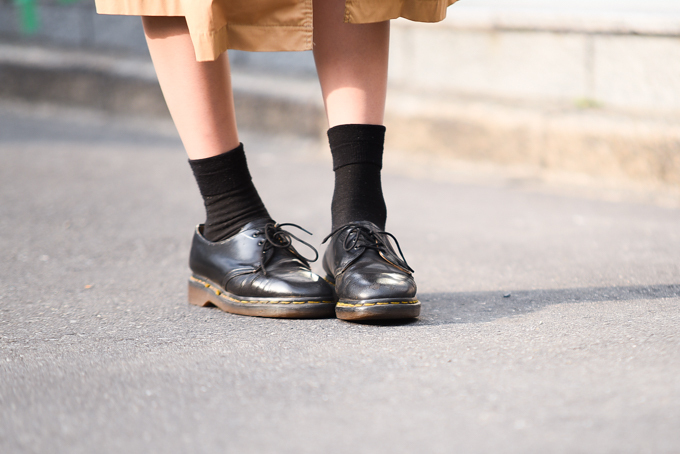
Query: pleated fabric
x,y
266,25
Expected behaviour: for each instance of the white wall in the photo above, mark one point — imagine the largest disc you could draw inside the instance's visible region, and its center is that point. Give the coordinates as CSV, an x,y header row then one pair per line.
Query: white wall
x,y
650,6
620,54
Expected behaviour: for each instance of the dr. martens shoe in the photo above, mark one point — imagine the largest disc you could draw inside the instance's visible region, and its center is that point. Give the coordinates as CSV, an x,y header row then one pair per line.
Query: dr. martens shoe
x,y
371,281
257,272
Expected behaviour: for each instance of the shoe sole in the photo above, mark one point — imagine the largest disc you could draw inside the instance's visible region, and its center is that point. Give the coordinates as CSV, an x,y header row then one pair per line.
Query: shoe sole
x,y
377,309
203,292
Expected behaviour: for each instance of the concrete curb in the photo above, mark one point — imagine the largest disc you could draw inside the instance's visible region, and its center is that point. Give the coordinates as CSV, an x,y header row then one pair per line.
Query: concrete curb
x,y
560,137
128,85
551,136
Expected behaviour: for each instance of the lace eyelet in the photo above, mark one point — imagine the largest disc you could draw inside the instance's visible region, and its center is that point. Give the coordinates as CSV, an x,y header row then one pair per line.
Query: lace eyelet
x,y
260,243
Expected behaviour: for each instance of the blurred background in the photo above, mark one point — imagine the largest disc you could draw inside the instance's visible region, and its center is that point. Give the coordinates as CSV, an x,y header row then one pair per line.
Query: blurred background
x,y
551,302
583,86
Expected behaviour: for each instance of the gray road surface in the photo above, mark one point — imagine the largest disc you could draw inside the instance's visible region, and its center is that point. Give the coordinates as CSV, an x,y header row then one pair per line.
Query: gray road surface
x,y
99,351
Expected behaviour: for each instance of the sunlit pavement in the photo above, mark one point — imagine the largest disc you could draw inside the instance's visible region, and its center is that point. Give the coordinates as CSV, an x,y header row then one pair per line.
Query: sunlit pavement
x,y
550,320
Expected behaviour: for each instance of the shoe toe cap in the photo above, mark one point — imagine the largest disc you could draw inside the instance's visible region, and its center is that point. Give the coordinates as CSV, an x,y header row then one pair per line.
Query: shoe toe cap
x,y
358,286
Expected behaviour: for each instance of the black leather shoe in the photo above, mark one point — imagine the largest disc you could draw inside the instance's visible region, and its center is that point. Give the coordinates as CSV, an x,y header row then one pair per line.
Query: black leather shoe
x,y
257,272
371,281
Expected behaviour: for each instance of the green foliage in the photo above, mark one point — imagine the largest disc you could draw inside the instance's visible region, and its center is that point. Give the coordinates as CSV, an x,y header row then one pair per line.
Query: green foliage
x,y
587,103
28,14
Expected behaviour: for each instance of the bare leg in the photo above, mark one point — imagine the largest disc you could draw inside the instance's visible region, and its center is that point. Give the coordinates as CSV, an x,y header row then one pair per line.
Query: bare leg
x,y
351,60
198,95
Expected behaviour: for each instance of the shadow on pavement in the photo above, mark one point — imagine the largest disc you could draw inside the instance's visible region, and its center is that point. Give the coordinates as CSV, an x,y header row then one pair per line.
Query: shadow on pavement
x,y
478,307
397,322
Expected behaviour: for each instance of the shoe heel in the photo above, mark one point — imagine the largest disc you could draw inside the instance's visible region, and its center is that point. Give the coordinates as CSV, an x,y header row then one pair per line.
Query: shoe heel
x,y
199,296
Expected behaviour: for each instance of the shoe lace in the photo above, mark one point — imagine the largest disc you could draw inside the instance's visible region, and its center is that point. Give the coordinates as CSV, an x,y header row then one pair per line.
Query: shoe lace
x,y
276,237
359,236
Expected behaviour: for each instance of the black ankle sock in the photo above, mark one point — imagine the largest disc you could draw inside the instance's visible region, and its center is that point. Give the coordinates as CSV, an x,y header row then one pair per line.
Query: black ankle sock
x,y
357,160
230,198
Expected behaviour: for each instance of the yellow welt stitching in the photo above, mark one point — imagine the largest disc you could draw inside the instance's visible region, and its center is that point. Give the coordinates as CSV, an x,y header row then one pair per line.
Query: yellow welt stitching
x,y
219,292
376,304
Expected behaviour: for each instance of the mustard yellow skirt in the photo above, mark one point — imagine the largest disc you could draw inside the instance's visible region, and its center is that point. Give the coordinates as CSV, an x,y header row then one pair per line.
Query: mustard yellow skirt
x,y
266,25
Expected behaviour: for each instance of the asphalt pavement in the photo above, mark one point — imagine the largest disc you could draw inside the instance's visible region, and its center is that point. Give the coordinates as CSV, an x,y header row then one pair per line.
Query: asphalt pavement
x,y
550,320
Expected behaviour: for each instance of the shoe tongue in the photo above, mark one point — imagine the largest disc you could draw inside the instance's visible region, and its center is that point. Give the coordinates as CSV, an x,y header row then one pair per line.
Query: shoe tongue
x,y
351,231
258,224
368,224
